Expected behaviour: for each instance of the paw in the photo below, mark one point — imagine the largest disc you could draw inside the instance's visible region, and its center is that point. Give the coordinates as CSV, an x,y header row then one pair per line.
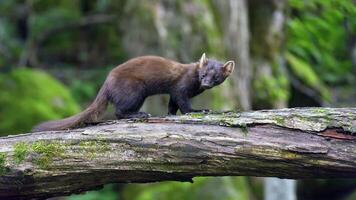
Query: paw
x,y
139,115
206,111
143,115
203,111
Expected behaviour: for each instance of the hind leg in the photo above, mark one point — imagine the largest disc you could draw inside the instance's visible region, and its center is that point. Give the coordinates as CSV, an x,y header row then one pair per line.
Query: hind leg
x,y
127,96
129,106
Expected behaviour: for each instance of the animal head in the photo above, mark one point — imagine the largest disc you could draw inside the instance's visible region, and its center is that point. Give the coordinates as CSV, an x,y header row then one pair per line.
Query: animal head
x,y
212,72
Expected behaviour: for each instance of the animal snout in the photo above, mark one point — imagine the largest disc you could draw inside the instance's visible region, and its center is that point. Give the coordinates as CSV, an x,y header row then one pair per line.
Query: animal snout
x,y
206,85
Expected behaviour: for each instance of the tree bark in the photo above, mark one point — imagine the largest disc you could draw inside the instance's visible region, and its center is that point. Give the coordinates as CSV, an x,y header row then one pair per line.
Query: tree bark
x,y
286,143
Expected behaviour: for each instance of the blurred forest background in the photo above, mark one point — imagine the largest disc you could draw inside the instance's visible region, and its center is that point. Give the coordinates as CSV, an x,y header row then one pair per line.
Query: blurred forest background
x,y
54,56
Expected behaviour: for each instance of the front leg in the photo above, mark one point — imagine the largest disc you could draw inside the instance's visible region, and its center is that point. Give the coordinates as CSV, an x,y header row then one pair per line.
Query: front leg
x,y
184,104
172,107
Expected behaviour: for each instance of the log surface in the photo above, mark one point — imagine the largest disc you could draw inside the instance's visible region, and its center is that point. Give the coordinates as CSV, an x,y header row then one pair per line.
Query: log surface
x,y
286,143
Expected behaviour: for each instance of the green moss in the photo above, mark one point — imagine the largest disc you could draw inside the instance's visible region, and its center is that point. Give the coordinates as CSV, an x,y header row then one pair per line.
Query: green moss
x,y
227,122
302,119
285,154
320,110
21,150
95,147
289,155
244,129
2,163
88,147
279,120
47,151
196,115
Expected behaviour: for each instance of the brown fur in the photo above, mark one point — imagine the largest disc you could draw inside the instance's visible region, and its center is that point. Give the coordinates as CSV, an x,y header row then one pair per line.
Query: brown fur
x,y
89,115
130,83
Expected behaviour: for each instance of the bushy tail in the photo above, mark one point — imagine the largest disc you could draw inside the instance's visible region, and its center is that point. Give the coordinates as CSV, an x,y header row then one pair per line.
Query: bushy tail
x,y
89,115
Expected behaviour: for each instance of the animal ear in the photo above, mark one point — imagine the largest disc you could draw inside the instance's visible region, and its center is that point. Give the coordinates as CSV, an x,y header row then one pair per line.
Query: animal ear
x,y
202,61
229,67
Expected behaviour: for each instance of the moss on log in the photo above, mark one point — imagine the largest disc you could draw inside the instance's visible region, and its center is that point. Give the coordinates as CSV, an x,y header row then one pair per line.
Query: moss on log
x,y
286,143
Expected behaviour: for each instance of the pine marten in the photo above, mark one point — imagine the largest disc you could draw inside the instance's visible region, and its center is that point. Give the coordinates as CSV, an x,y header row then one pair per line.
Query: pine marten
x,y
128,85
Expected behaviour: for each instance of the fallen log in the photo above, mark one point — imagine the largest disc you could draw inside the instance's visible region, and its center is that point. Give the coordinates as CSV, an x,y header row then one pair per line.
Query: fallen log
x,y
286,143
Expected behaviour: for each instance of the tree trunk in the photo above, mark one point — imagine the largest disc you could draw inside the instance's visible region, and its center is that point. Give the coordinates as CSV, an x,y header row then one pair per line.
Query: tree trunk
x,y
236,35
287,143
267,25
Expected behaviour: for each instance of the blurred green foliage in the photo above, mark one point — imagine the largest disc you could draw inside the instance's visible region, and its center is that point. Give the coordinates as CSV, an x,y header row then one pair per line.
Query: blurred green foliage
x,y
107,193
225,188
317,42
302,69
270,89
45,32
29,97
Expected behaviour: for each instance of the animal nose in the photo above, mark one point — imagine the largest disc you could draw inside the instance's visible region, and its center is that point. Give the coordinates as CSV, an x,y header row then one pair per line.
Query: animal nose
x,y
206,85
